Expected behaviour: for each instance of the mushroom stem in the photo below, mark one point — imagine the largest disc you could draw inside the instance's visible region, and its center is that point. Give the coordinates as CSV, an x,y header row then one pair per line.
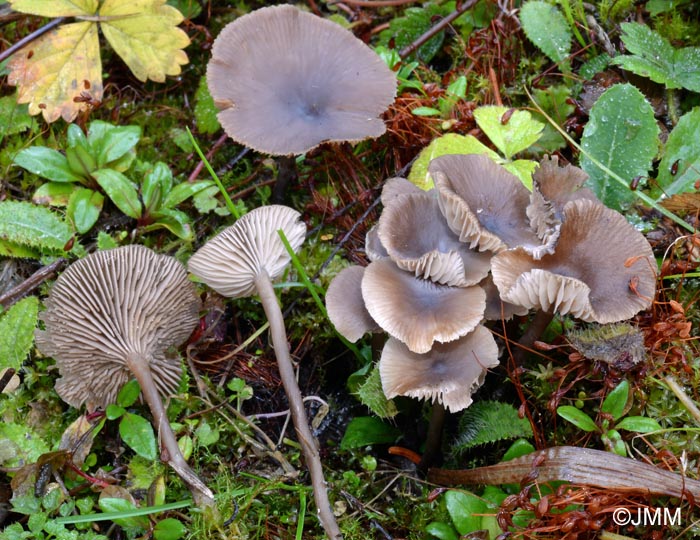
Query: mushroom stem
x,y
286,174
296,404
202,495
433,440
538,325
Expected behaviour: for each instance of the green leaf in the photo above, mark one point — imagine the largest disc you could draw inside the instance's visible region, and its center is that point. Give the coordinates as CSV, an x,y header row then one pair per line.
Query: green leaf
x,y
553,101
615,402
129,393
490,421
440,530
111,143
547,28
462,507
169,529
17,251
14,118
183,191
115,505
370,394
84,208
518,449
121,190
137,433
114,411
17,332
47,163
640,424
654,57
76,136
34,226
447,144
105,241
366,430
426,111
621,134
404,30
519,133
156,184
578,418
679,150
54,194
175,221
523,169
204,109
206,436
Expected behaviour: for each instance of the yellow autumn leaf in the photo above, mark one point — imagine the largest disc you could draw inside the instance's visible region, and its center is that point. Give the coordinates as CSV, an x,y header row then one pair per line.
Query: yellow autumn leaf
x,y
58,68
145,34
55,8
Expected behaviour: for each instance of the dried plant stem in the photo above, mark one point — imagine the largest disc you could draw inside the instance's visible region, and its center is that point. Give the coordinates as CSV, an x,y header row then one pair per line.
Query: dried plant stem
x,y
296,404
201,494
31,283
578,466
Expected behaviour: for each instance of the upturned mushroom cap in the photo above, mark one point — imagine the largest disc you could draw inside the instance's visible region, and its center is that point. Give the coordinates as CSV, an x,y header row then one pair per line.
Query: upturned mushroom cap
x,y
396,187
603,269
373,245
449,373
112,304
483,203
346,308
416,311
287,81
418,239
497,309
230,261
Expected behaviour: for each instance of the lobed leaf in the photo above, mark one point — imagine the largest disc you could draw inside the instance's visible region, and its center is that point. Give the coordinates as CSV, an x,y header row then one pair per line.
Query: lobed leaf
x,y
145,35
34,226
17,332
622,135
55,8
57,68
519,133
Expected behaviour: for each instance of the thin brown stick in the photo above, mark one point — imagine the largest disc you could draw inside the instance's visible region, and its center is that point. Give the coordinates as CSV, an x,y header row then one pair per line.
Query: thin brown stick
x,y
31,283
375,3
198,169
579,466
296,404
420,40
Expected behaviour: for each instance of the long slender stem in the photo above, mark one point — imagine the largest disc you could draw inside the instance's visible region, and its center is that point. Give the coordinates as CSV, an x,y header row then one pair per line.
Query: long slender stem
x,y
296,404
200,492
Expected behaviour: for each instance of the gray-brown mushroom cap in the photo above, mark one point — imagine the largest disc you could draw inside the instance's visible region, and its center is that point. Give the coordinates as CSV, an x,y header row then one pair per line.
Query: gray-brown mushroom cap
x,y
346,308
230,261
483,203
287,81
603,269
449,373
418,239
111,304
417,311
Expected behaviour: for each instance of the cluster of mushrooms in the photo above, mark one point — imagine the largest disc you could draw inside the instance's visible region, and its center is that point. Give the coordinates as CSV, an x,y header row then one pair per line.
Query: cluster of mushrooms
x,y
478,247
481,247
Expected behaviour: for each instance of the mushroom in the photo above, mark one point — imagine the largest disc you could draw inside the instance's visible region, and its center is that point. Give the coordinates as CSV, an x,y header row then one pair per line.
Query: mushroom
x,y
603,269
418,239
115,314
242,260
346,307
287,81
447,374
416,311
483,203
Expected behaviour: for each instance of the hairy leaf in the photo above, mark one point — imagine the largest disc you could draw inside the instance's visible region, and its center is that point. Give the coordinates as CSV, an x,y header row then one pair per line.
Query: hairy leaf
x,y
370,394
14,118
34,226
17,332
204,109
145,34
623,136
547,28
56,69
653,56
490,421
680,167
